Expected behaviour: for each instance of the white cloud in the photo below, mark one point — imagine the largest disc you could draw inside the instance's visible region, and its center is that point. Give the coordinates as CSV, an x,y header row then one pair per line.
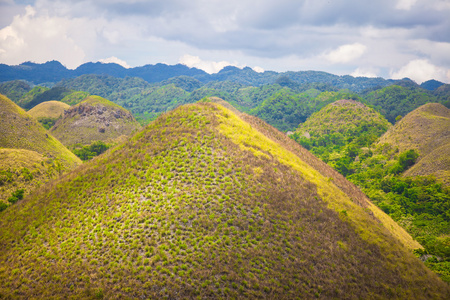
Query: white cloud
x,y
39,38
421,70
206,65
258,69
115,60
405,4
361,72
346,53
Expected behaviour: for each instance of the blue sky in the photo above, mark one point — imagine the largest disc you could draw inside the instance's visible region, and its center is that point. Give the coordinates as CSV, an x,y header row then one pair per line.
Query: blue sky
x,y
390,39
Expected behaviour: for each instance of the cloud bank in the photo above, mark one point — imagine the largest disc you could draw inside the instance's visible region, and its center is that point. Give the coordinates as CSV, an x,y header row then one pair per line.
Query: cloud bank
x,y
381,38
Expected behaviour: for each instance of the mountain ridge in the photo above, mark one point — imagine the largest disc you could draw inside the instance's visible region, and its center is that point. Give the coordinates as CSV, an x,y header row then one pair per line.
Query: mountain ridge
x,y
54,71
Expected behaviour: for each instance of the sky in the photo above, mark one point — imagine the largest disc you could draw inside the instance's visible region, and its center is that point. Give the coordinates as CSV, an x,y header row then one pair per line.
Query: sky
x,y
373,38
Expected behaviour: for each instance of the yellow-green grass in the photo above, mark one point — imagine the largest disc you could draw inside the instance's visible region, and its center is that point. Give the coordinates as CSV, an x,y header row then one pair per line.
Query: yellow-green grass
x,y
94,119
49,109
436,162
250,139
19,130
183,210
23,169
341,116
427,130
75,98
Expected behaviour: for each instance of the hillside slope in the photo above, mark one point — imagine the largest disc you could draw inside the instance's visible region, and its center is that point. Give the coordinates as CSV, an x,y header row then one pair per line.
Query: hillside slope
x,y
340,132
49,109
94,119
427,130
29,154
203,203
21,131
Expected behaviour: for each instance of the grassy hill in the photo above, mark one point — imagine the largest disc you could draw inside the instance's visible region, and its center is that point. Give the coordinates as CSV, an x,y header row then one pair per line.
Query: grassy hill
x,y
94,119
23,170
399,99
49,109
47,113
22,138
427,130
205,203
340,131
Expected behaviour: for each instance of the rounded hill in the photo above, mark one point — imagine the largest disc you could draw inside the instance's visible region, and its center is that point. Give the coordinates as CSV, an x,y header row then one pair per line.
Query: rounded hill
x,y
94,119
19,130
427,130
343,116
49,109
204,203
29,155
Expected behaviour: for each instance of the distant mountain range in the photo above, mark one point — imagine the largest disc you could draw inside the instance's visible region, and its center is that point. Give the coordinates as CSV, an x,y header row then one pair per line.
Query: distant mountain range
x,y
54,71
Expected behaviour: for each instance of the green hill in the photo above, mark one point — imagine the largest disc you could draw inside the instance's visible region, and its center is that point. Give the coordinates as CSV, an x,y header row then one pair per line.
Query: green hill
x,y
22,138
340,132
204,203
15,89
400,99
94,119
427,130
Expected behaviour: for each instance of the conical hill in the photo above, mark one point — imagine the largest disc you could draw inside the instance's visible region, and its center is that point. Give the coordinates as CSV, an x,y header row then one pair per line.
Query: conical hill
x,y
18,130
94,119
204,204
49,109
427,130
344,117
29,155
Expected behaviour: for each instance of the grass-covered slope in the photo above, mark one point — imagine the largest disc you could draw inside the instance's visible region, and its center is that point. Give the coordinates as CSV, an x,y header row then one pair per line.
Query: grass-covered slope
x,y
23,170
94,119
49,109
19,130
29,155
47,113
338,132
427,130
203,204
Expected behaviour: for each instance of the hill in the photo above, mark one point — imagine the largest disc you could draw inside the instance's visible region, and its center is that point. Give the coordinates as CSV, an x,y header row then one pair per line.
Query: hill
x,y
399,99
28,151
338,132
427,130
47,113
15,89
204,203
54,72
43,95
49,109
94,119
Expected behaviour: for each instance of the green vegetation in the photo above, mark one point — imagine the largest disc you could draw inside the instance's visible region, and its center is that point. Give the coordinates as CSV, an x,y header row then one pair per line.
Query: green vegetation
x,y
339,132
425,130
43,95
24,170
396,100
90,151
74,98
347,139
15,89
204,204
21,131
